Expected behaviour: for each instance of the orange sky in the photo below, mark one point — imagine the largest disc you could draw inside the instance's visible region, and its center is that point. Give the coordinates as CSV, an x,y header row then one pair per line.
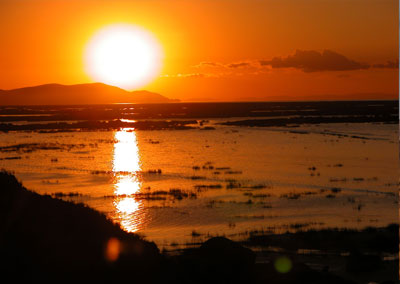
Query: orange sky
x,y
218,50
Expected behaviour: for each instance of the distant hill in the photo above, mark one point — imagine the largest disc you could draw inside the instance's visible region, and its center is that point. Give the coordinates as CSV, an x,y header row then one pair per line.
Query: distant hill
x,y
95,93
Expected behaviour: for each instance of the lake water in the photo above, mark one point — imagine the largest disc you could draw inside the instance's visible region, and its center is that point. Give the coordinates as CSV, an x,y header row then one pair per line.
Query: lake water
x,y
178,187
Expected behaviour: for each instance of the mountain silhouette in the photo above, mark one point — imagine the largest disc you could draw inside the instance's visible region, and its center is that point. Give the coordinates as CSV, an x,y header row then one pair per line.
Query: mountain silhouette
x,y
94,93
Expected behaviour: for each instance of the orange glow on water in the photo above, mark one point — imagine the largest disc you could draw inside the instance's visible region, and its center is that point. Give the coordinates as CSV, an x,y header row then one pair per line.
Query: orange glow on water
x,y
126,166
129,212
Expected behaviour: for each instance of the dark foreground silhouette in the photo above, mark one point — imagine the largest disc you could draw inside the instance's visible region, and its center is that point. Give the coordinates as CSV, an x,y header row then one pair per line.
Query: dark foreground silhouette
x,y
44,238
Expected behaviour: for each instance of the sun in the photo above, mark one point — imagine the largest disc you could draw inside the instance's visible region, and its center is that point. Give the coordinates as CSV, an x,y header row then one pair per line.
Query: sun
x,y
123,55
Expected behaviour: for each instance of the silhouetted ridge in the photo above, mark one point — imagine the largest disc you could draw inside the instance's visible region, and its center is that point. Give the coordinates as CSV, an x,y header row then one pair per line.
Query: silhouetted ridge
x,y
95,93
47,237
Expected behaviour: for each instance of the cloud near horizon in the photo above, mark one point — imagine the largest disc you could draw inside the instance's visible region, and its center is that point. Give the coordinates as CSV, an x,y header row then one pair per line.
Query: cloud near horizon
x,y
187,75
232,65
314,61
239,64
208,64
305,60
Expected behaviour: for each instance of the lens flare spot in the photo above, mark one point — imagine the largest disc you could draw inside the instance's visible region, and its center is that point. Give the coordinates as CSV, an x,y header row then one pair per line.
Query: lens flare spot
x,y
283,264
113,249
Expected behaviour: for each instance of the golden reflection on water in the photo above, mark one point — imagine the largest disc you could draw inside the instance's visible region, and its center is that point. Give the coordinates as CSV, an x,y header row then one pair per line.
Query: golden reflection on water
x,y
126,166
126,151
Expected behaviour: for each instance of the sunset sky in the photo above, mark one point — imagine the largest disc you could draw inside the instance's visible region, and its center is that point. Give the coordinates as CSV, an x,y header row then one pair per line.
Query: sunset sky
x,y
216,50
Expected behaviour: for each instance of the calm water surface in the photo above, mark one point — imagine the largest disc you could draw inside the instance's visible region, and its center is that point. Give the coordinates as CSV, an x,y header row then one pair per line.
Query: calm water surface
x,y
179,187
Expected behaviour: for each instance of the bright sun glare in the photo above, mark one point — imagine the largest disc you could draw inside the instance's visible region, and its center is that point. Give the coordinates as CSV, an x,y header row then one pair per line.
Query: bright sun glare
x,y
123,55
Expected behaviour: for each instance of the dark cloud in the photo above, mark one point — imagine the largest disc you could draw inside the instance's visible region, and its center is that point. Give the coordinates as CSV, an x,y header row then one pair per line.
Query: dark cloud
x,y
305,60
314,61
238,65
389,64
218,64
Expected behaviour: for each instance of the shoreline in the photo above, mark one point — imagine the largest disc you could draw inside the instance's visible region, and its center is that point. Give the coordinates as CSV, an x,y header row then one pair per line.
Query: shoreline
x,y
99,125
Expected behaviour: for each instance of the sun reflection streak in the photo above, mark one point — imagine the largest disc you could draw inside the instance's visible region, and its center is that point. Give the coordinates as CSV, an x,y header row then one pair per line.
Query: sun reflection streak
x,y
126,151
126,166
126,184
